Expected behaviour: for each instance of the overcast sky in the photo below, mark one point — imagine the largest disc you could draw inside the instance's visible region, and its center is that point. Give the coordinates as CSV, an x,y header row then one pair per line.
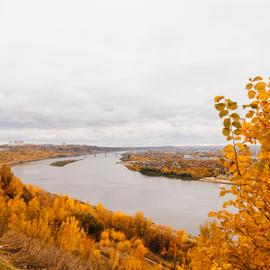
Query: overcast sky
x,y
126,72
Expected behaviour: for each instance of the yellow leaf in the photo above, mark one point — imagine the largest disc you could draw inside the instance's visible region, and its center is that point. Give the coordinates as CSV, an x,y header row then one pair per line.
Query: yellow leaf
x,y
228,148
212,214
232,106
251,94
235,116
230,155
255,120
249,114
218,98
260,86
263,95
226,131
223,113
222,193
257,78
236,124
220,106
227,122
254,105
249,86
237,132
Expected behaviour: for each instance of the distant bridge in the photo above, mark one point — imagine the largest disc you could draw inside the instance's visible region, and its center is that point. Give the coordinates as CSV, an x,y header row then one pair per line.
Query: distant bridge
x,y
105,154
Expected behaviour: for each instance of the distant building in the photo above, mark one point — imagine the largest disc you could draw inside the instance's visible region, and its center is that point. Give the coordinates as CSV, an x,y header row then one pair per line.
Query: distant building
x,y
16,143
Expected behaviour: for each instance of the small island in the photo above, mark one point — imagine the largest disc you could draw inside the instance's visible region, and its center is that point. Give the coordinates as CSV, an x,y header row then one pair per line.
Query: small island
x,y
62,163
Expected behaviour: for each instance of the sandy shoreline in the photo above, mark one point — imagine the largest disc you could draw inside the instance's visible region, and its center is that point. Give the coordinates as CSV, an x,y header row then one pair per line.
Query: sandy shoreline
x,y
216,180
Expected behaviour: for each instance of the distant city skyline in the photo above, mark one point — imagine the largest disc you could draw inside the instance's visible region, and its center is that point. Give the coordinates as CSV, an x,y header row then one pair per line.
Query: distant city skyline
x,y
126,73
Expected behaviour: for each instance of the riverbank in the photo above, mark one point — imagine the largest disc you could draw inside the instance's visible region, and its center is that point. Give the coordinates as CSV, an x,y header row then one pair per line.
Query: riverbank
x,y
217,180
157,173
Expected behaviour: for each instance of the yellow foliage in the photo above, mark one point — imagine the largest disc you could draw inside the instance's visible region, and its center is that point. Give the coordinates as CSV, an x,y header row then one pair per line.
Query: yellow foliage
x,y
105,238
117,236
131,263
114,259
71,237
241,239
124,246
3,212
139,248
17,210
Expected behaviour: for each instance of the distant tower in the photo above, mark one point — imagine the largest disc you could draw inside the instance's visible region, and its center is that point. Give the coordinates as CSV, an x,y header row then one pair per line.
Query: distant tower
x,y
18,143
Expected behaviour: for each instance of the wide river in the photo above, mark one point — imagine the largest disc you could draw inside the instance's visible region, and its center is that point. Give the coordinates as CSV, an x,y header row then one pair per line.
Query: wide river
x,y
100,179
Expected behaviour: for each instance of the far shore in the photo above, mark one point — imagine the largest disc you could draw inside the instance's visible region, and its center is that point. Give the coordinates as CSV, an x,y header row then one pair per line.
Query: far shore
x,y
216,180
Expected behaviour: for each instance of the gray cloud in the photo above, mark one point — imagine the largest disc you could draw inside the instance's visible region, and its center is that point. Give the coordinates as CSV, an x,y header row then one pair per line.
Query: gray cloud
x,y
125,72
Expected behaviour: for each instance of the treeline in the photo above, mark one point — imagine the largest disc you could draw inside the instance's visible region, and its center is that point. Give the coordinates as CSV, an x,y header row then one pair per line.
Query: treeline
x,y
174,165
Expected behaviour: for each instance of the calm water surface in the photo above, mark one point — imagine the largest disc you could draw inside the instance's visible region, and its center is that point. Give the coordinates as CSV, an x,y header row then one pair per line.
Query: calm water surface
x,y
180,204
